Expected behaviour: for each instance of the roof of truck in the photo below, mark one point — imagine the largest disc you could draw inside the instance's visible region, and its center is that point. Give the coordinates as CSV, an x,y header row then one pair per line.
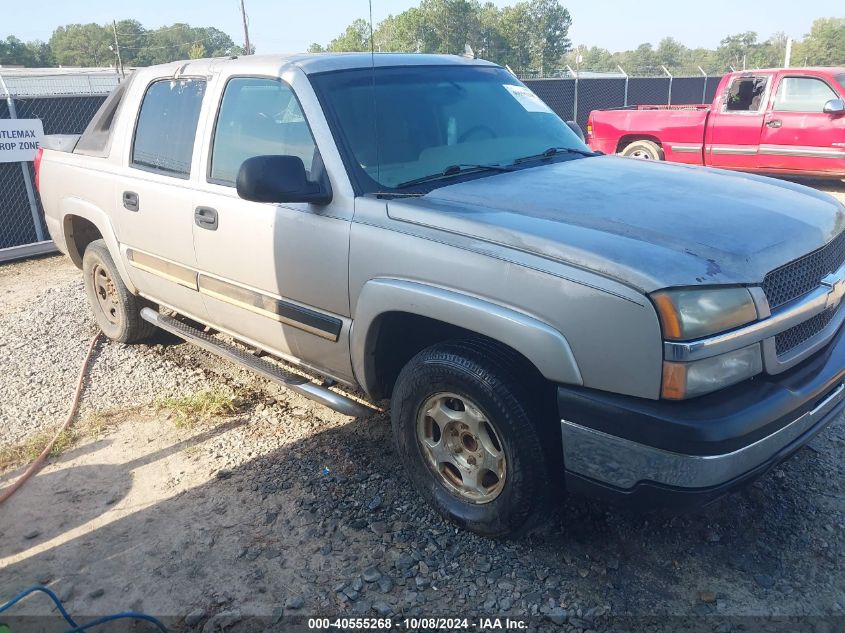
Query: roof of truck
x,y
321,62
310,63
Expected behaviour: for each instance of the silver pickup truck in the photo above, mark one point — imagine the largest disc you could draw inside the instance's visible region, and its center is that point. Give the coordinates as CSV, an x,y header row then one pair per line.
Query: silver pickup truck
x,y
424,229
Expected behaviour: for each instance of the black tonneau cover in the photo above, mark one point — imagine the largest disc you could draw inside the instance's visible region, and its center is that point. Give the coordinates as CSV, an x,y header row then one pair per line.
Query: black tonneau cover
x,y
96,139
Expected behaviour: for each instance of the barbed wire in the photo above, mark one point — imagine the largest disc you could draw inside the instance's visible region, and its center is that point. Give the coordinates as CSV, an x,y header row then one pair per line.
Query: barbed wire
x,y
630,71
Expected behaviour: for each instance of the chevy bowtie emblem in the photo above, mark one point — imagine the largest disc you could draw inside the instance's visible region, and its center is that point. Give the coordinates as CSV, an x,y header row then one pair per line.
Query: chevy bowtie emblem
x,y
837,289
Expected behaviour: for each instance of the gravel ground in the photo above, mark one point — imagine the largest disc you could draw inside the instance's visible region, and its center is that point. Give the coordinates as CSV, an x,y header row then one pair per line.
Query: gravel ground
x,y
43,339
287,508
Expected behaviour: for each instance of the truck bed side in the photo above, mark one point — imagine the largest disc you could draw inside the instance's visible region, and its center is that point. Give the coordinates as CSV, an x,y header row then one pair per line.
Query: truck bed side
x,y
678,130
76,184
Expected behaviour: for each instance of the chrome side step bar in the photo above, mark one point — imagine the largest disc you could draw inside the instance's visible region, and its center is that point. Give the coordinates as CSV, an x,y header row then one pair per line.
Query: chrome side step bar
x,y
268,370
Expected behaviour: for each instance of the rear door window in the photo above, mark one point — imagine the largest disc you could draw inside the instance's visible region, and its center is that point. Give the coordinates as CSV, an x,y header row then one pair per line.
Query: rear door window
x,y
802,94
258,117
746,94
167,126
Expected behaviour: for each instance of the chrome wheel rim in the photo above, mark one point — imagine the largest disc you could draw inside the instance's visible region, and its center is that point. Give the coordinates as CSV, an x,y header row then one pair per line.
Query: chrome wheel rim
x,y
462,447
106,294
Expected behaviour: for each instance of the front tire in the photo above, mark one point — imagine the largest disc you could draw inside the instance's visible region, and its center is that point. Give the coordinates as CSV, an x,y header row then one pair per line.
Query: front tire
x,y
116,310
643,150
464,426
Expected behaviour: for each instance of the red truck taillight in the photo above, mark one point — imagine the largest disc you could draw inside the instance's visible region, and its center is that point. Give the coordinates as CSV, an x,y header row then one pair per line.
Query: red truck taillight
x,y
36,164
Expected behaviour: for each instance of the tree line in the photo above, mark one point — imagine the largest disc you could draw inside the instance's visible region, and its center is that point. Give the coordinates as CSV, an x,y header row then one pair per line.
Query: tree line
x,y
824,45
532,38
94,45
529,36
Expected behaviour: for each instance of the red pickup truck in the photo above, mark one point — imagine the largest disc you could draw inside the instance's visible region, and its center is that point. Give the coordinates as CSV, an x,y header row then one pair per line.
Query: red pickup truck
x,y
777,121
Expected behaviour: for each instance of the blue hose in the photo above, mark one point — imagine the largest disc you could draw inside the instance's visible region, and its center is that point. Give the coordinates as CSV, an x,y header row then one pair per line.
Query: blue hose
x,y
53,597
124,615
77,628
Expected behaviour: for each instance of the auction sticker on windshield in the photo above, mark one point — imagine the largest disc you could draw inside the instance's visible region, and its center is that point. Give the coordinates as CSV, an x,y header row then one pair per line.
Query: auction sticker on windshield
x,y
19,139
527,99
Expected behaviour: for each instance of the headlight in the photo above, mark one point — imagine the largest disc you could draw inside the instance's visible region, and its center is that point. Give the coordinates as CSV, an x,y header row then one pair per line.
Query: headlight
x,y
687,380
691,314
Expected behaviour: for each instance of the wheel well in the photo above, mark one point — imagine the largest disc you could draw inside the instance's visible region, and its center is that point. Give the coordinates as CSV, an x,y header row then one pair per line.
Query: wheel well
x,y
630,138
399,336
79,233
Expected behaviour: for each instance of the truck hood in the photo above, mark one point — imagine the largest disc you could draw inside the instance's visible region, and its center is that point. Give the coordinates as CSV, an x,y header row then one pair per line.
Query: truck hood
x,y
650,225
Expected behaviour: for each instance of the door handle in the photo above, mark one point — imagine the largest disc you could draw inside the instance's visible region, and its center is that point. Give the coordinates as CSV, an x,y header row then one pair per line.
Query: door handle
x,y
774,123
130,200
206,218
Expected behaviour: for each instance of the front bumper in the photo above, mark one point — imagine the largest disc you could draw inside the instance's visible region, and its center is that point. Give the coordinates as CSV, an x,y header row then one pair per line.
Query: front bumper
x,y
687,453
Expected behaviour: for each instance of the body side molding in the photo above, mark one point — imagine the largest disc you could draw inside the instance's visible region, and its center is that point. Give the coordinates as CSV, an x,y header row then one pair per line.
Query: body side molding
x,y
311,321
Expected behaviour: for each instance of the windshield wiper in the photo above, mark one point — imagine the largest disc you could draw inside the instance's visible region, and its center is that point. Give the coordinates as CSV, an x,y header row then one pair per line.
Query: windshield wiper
x,y
453,170
396,194
554,151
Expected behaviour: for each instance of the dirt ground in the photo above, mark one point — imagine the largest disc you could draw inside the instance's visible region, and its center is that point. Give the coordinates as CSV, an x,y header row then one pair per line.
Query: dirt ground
x,y
275,509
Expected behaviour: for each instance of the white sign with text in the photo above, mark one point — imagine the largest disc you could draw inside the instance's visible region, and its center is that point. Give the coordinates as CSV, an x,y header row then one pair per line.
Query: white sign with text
x,y
19,139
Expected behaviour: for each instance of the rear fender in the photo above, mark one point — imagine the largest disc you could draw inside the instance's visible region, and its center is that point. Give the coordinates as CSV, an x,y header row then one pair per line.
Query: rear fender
x,y
73,206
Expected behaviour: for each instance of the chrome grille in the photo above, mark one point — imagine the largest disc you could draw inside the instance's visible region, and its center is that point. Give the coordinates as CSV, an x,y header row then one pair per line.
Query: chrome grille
x,y
804,274
793,337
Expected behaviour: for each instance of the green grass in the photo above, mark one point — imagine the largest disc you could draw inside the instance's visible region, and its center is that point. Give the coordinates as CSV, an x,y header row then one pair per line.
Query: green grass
x,y
201,406
96,424
32,448
187,411
27,451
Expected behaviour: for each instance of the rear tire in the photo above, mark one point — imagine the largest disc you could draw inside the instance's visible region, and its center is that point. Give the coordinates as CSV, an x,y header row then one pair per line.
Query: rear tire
x,y
643,150
116,310
465,427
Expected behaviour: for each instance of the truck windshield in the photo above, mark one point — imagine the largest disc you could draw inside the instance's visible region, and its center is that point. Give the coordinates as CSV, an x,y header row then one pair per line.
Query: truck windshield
x,y
398,125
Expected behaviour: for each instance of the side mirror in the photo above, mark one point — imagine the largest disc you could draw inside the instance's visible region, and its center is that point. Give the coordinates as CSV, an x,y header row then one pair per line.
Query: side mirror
x,y
279,179
834,106
577,129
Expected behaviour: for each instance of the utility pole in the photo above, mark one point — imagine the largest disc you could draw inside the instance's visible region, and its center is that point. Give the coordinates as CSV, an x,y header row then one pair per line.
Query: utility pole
x,y
788,56
246,29
117,49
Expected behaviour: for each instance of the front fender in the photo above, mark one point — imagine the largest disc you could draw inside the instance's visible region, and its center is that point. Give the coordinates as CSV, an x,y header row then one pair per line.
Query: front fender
x,y
541,344
82,208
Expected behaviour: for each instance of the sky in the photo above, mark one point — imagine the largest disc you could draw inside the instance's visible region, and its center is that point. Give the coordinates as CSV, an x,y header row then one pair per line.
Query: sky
x,y
278,26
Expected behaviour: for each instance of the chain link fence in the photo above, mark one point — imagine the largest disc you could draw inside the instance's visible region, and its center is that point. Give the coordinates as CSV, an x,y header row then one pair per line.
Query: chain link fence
x,y
573,97
64,103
